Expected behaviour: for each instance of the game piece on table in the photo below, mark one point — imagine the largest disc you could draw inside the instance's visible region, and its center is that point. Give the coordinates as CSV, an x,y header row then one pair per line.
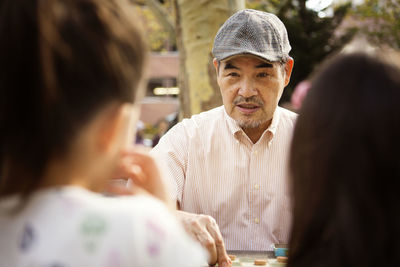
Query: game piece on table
x,y
232,257
282,259
280,250
260,262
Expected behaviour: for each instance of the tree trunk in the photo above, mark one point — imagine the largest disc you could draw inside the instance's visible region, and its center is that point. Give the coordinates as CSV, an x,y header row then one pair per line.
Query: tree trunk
x,y
196,24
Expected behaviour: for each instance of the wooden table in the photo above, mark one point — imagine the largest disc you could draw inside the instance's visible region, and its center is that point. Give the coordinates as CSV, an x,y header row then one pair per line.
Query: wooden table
x,y
246,258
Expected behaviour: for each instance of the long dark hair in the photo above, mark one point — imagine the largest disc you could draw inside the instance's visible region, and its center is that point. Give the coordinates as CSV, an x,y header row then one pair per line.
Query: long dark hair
x,y
60,63
345,167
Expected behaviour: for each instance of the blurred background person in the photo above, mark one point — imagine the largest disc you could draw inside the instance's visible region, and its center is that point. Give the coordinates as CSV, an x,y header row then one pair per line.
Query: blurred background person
x,y
299,93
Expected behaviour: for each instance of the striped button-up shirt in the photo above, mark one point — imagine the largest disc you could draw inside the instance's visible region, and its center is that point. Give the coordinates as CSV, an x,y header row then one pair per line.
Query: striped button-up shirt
x,y
215,169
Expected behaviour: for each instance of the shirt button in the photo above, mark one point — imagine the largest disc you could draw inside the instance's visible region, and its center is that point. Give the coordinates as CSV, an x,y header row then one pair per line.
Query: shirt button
x,y
255,152
257,221
256,186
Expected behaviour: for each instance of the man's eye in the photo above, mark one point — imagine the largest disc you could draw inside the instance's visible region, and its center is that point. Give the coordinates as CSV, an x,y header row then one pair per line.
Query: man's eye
x,y
262,74
233,74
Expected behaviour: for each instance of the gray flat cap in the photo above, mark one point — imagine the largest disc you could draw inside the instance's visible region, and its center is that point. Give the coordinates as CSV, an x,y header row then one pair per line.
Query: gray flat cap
x,y
252,32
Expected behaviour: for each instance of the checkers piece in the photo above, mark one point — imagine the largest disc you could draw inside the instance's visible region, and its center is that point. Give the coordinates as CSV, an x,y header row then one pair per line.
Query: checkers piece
x,y
282,259
232,257
260,262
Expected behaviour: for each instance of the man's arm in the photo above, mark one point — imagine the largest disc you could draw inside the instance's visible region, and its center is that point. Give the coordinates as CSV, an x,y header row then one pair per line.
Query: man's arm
x,y
172,152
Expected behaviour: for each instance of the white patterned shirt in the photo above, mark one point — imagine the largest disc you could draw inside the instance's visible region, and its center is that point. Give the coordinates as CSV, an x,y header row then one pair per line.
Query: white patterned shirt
x,y
72,227
215,169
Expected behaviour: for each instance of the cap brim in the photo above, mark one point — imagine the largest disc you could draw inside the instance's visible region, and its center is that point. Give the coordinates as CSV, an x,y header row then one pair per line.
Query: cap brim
x,y
256,55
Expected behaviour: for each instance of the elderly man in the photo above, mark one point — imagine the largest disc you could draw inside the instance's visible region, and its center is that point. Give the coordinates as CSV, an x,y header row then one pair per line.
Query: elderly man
x,y
228,165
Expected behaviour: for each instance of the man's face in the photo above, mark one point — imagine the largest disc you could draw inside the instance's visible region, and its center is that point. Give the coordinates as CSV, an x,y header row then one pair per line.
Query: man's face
x,y
251,88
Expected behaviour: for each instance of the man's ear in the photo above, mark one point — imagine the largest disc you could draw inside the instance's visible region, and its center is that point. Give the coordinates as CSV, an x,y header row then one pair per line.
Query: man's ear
x,y
288,70
216,65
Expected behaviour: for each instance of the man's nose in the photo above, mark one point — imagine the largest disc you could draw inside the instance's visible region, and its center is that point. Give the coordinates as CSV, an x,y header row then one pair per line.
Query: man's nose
x,y
247,88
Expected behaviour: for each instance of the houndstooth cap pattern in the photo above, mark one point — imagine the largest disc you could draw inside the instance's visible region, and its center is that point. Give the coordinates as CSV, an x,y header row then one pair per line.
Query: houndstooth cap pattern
x,y
252,32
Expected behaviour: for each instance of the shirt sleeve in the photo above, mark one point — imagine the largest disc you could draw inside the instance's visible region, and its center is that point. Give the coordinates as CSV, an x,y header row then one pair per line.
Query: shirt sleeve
x,y
171,154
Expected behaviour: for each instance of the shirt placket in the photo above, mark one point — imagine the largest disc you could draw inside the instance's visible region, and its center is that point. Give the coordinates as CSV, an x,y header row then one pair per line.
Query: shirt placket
x,y
254,191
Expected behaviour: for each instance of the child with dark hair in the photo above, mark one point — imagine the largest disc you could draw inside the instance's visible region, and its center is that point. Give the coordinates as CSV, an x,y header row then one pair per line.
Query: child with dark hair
x,y
345,166
70,79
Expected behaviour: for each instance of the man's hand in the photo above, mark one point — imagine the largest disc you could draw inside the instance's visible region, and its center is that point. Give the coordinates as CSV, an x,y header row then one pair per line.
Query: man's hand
x,y
204,229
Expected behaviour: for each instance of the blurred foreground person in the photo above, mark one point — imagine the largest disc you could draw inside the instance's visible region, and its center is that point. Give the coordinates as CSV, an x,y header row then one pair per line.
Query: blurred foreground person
x,y
70,78
345,166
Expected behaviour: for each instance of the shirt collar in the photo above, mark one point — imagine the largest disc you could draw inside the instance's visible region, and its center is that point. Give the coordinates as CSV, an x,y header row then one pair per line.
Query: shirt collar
x,y
234,127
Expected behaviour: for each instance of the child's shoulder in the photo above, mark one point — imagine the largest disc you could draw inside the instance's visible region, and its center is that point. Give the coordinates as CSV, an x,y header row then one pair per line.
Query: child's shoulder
x,y
140,228
113,205
76,202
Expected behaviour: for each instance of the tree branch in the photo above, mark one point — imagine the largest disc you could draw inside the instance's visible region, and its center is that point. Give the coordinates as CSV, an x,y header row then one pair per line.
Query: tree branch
x,y
162,16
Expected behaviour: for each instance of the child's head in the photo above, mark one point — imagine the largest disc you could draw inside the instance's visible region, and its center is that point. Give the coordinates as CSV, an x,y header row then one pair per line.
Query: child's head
x,y
63,65
345,166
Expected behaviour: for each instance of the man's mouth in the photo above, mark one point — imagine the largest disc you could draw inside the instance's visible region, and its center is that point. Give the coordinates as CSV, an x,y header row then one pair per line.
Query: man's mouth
x,y
248,108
